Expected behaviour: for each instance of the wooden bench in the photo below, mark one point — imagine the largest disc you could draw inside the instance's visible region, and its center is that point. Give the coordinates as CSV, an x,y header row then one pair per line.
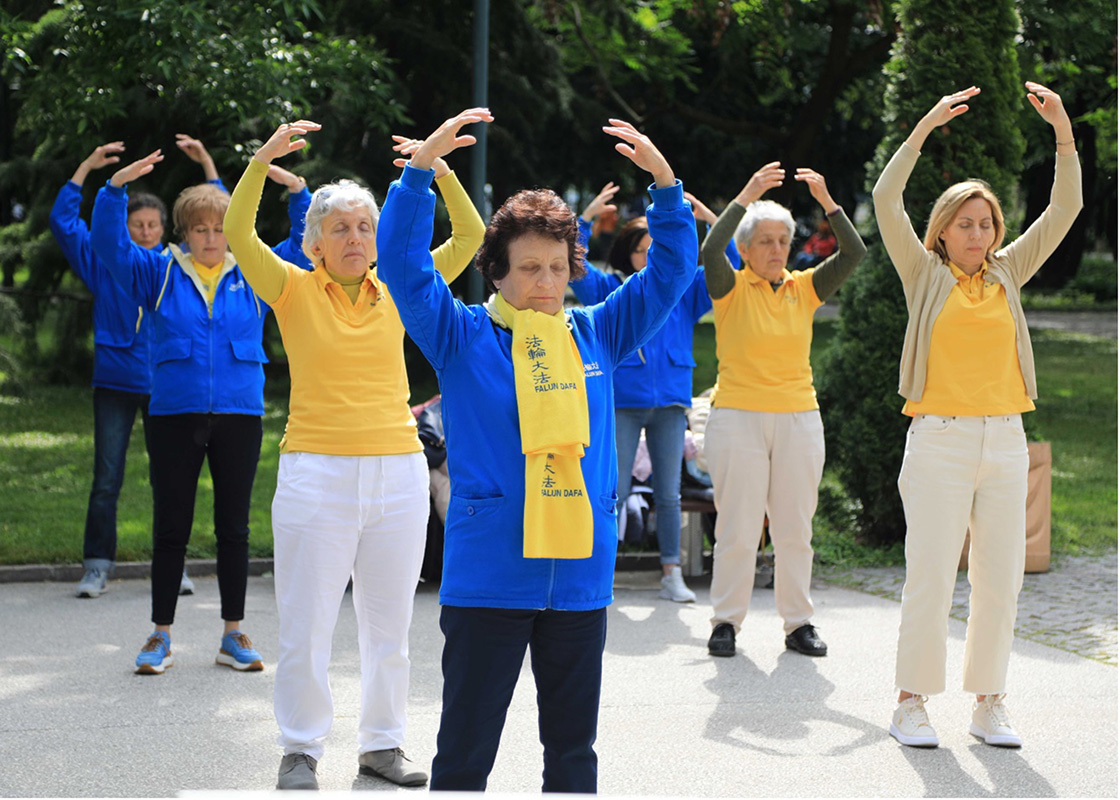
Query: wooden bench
x,y
692,535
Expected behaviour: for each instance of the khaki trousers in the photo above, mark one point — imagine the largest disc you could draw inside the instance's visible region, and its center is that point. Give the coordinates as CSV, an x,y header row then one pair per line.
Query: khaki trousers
x,y
763,463
961,473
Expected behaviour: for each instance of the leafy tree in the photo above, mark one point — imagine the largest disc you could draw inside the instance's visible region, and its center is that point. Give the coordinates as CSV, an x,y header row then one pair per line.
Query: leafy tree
x,y
79,74
944,45
1072,49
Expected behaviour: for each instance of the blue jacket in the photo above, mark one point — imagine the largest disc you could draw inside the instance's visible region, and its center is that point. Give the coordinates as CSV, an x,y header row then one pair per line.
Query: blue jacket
x,y
122,332
659,373
206,360
482,558
291,249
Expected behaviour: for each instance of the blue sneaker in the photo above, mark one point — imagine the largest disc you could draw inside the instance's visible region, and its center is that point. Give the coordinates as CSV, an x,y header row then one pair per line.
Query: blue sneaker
x,y
155,655
92,584
237,652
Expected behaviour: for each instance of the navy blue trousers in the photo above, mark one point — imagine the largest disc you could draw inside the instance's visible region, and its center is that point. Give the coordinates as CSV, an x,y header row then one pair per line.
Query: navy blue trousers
x,y
482,655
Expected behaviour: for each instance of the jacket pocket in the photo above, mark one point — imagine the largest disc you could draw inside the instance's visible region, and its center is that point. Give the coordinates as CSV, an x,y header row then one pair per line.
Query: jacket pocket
x,y
248,350
173,350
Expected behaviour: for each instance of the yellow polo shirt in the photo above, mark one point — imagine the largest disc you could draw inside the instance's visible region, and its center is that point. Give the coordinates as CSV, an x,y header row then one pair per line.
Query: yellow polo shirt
x,y
762,343
349,394
973,367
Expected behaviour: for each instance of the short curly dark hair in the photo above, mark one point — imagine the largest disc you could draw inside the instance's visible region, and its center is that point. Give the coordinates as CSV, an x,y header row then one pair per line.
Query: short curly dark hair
x,y
539,212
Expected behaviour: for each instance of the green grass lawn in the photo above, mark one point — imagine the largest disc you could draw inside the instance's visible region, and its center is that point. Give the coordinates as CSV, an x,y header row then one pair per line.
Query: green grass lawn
x,y
46,457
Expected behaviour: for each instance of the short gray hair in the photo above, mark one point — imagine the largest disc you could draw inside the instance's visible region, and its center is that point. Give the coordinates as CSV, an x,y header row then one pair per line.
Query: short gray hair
x,y
758,211
340,195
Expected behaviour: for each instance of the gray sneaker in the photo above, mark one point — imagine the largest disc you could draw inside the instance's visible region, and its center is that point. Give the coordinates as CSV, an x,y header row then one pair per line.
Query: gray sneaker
x,y
186,585
93,583
297,772
392,766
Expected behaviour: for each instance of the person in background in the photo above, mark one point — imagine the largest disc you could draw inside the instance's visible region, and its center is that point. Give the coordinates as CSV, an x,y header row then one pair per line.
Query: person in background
x,y
817,248
764,440
967,374
122,371
207,393
653,385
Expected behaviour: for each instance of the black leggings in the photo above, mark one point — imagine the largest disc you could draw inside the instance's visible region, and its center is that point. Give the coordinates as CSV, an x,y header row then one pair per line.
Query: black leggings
x,y
231,443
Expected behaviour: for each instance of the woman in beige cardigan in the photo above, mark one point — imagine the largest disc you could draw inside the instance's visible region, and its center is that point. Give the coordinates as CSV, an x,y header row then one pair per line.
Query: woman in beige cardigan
x,y
967,374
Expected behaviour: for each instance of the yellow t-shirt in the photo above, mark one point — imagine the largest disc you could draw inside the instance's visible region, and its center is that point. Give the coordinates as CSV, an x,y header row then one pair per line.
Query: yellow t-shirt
x,y
973,367
762,343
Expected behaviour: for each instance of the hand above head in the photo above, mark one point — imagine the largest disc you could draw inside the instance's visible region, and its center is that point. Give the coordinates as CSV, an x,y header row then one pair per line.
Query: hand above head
x,y
950,107
601,203
638,148
1049,106
408,147
196,151
280,143
817,187
102,156
137,168
766,178
292,182
446,138
699,210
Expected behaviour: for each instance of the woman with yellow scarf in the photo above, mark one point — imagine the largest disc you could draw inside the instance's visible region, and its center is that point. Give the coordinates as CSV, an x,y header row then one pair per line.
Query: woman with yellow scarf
x,y
528,410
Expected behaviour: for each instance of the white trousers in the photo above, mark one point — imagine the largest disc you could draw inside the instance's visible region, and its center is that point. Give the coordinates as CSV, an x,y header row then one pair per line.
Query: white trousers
x,y
960,473
334,517
763,463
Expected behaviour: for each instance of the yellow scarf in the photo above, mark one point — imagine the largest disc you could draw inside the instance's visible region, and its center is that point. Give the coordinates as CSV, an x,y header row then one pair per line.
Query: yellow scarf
x,y
552,407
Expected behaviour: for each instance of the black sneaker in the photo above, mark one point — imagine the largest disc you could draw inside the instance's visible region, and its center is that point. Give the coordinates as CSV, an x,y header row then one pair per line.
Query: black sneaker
x,y
805,640
722,640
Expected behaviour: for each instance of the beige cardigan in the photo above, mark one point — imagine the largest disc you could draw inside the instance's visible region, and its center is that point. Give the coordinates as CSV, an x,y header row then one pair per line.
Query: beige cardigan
x,y
927,280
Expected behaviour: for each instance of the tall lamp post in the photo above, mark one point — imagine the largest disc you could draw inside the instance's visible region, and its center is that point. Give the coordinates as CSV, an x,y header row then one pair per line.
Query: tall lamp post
x,y
481,47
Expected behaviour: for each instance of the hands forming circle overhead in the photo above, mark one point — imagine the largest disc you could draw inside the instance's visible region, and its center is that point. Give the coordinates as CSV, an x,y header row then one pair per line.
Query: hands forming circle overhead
x,y
283,141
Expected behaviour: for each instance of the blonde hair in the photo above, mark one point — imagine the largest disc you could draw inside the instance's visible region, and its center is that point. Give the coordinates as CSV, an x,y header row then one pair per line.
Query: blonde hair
x,y
949,204
338,196
196,203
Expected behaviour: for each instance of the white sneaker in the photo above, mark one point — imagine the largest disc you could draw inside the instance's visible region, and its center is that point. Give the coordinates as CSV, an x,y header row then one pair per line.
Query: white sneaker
x,y
673,588
910,724
992,723
186,585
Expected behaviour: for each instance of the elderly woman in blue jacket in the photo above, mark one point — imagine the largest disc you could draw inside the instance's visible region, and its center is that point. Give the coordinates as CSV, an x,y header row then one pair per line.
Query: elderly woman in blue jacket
x,y
528,411
207,392
653,385
122,369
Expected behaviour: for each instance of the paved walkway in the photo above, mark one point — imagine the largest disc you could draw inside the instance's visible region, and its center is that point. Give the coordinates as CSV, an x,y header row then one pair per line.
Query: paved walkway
x,y
1072,607
75,721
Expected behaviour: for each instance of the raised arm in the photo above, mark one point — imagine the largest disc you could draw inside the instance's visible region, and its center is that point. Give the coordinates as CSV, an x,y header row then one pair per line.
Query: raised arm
x,y
630,316
196,151
595,285
903,245
136,270
264,270
467,227
1027,254
68,228
831,273
719,272
299,200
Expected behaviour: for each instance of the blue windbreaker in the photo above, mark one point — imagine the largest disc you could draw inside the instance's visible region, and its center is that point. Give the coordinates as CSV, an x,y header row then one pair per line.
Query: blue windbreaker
x,y
122,332
483,563
206,360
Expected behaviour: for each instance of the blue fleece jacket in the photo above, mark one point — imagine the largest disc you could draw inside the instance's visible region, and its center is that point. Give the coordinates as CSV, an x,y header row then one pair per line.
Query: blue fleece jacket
x,y
482,562
206,360
122,332
659,373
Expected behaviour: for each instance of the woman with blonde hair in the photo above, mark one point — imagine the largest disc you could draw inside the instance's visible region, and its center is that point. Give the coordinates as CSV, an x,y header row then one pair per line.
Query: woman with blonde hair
x,y
967,374
207,396
352,490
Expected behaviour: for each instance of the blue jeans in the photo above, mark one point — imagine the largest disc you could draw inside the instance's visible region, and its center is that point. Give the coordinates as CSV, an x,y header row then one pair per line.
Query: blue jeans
x,y
482,655
665,429
114,413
